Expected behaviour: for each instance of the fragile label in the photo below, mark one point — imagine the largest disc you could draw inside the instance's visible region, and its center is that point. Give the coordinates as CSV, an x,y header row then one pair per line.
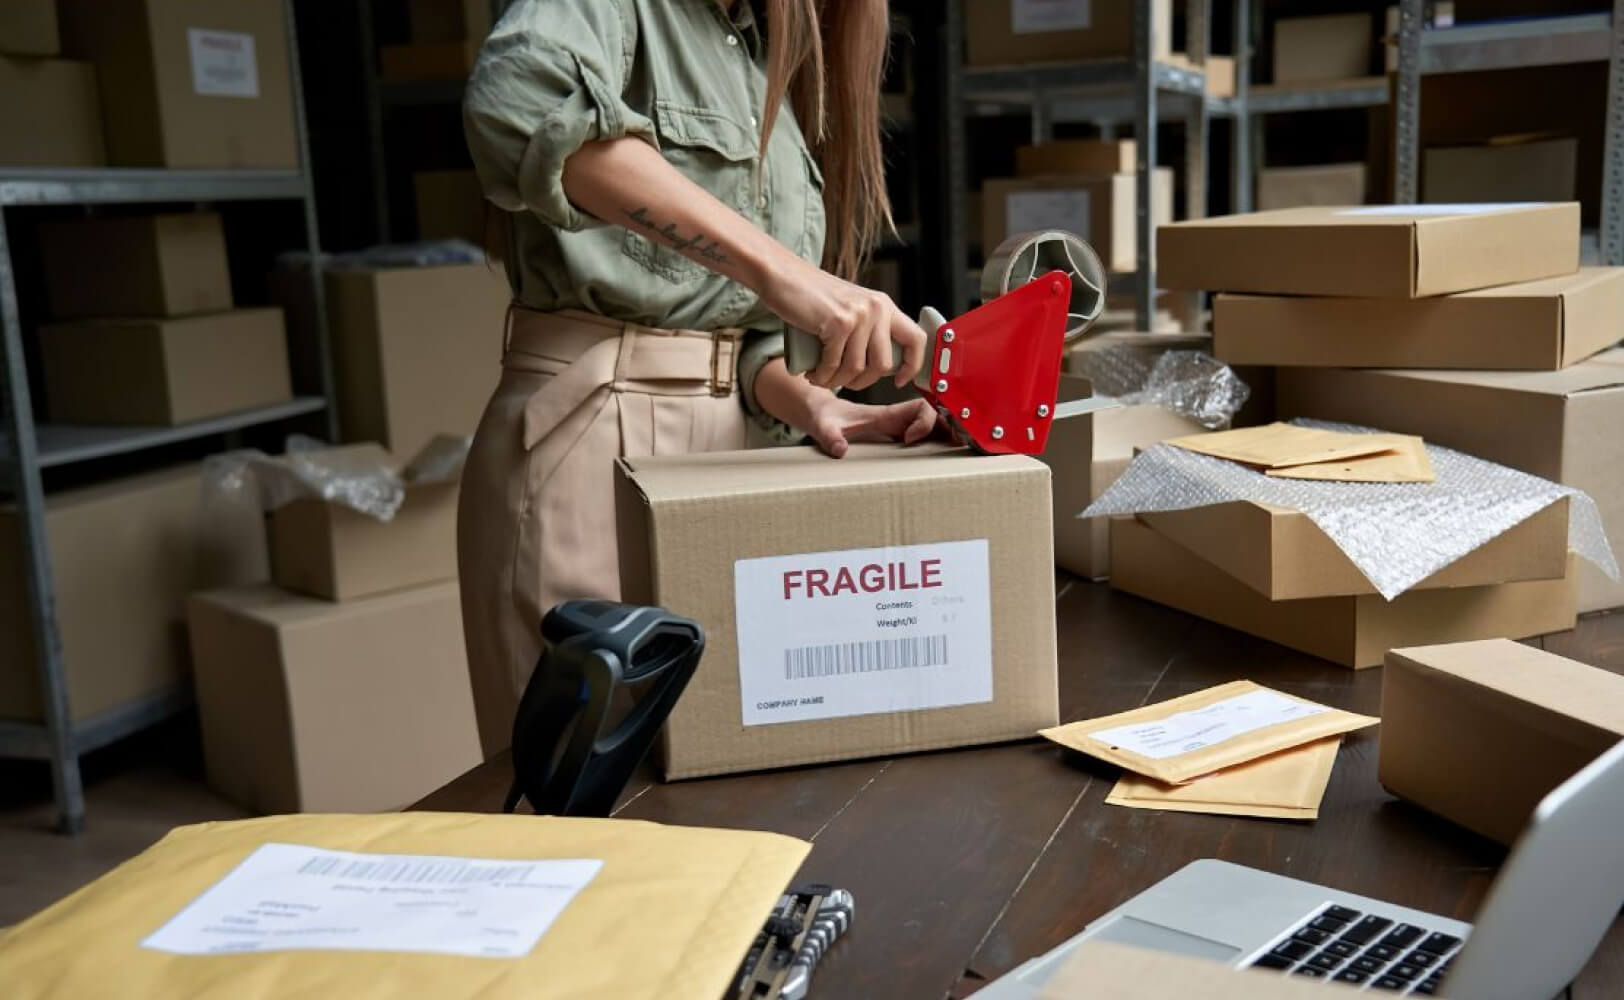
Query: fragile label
x,y
832,634
1186,732
1032,16
223,63
287,897
1033,211
1479,209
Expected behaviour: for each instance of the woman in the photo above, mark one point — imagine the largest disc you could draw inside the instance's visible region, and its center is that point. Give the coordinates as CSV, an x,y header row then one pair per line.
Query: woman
x,y
668,219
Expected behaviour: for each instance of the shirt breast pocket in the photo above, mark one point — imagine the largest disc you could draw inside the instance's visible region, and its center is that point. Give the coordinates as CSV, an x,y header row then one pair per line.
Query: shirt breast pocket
x,y
714,151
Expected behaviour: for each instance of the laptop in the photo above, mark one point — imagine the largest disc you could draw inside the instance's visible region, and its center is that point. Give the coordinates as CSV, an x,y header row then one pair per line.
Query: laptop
x,y
1551,904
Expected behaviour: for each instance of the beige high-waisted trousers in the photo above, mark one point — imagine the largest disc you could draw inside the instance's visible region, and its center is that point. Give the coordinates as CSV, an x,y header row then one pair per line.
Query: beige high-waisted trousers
x,y
536,517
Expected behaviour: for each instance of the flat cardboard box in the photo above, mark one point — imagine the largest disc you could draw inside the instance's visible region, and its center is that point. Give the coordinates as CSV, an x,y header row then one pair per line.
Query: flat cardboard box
x,y
1480,732
1561,425
428,61
415,350
141,265
1297,187
1535,326
124,555
449,20
327,550
1076,156
842,582
1354,631
1283,555
1098,208
50,114
308,706
1374,251
1332,47
1015,32
1538,170
189,83
28,28
451,205
165,371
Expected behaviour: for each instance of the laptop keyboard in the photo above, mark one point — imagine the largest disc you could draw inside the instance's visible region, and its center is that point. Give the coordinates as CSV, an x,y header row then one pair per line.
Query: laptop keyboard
x,y
1346,946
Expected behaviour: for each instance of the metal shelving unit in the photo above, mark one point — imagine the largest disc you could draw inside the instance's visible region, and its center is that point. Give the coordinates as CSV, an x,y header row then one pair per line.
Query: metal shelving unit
x,y
1543,41
26,449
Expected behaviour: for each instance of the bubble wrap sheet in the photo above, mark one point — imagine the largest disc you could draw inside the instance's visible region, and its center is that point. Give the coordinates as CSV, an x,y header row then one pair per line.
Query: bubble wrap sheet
x,y
1397,534
1190,383
362,481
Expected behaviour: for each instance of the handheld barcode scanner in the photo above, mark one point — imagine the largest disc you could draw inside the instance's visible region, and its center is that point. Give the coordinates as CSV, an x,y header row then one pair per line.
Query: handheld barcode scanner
x,y
994,372
564,763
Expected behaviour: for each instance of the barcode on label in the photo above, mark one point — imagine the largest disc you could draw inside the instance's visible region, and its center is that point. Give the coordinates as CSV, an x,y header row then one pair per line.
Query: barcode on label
x,y
415,872
864,657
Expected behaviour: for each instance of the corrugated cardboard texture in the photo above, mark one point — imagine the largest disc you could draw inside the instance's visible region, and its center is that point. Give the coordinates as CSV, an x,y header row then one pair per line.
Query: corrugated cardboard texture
x,y
1076,156
279,678
165,371
1530,326
1352,631
124,555
152,114
1512,171
685,522
1320,251
50,114
1560,425
146,265
1336,47
1283,555
28,28
990,38
1297,187
415,350
1479,732
1111,210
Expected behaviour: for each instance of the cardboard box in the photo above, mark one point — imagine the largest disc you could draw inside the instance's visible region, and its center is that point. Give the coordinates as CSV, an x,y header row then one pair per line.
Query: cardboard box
x,y
1354,631
334,552
1076,156
408,354
1559,425
1283,555
449,20
1516,171
451,205
143,265
1011,32
1480,732
50,115
1218,70
1296,187
308,706
189,83
124,555
893,601
1100,209
1332,47
1375,251
428,61
165,371
1536,325
28,28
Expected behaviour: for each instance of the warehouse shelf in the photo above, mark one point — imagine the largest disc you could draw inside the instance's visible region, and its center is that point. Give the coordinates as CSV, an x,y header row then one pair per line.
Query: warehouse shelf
x,y
28,740
64,444
1091,77
119,184
1365,92
1538,41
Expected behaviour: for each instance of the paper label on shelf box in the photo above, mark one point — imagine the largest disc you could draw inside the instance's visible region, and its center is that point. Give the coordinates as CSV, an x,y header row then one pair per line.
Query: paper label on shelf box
x,y
1030,211
1481,209
827,635
1185,732
1029,17
287,897
223,63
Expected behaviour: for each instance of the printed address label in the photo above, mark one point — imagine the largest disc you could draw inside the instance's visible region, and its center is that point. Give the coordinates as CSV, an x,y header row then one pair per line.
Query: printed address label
x,y
224,63
827,635
1199,728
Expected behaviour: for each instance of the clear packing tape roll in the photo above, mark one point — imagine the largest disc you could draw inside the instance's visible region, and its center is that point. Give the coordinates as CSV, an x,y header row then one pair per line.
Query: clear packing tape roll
x,y
1190,383
362,478
1397,534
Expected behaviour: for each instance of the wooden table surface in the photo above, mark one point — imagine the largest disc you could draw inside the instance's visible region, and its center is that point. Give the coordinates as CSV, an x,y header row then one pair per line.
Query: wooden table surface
x,y
966,863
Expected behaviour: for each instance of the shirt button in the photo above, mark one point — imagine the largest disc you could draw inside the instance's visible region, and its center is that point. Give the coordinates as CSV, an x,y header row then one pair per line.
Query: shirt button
x,y
753,122
732,40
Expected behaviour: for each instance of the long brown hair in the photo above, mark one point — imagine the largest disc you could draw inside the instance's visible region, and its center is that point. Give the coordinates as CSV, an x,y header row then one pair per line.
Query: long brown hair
x,y
828,57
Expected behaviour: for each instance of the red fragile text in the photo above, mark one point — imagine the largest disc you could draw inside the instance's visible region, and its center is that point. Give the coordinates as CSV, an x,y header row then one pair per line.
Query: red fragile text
x,y
869,579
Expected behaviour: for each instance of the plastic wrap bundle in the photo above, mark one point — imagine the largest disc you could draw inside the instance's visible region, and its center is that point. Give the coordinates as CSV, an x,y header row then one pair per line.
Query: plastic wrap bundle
x,y
363,479
1192,384
1397,534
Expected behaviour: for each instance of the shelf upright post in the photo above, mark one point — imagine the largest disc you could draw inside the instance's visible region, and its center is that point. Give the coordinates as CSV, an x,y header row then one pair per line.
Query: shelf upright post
x,y
1407,108
957,153
1243,165
318,284
1612,193
1145,119
1196,126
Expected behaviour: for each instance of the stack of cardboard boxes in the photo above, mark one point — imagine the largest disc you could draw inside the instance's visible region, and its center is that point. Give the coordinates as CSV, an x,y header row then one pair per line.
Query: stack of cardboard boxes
x,y
49,112
1357,305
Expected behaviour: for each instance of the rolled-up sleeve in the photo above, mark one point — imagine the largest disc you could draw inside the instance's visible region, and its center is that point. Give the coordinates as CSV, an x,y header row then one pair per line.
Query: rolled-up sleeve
x,y
760,349
549,79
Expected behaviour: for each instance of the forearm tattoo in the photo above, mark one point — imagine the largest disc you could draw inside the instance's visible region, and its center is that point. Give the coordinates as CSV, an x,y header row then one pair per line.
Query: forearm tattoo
x,y
696,244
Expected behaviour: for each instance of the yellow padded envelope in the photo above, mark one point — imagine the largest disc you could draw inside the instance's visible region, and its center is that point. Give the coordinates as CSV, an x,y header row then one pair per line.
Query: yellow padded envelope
x,y
670,915
1280,445
1286,785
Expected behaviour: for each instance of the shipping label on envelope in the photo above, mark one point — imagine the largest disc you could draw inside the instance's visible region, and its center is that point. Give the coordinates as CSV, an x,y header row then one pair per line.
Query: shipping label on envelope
x,y
1286,785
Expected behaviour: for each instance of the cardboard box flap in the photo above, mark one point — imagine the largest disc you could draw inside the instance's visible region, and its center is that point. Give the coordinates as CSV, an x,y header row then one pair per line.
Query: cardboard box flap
x,y
284,610
1523,674
1604,371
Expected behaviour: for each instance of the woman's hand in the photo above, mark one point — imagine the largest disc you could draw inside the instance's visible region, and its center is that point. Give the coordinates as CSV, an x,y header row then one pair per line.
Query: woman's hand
x,y
856,325
838,423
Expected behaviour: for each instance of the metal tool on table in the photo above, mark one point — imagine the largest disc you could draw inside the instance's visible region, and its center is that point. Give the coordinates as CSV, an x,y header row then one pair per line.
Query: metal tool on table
x,y
994,372
804,924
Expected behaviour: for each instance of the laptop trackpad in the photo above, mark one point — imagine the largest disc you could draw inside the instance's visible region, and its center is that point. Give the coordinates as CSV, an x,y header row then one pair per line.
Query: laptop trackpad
x,y
1154,937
